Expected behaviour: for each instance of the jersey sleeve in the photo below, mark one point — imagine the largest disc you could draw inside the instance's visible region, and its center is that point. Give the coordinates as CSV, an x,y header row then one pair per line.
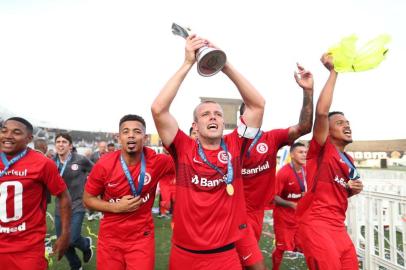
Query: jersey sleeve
x,y
281,137
180,142
169,168
95,181
52,179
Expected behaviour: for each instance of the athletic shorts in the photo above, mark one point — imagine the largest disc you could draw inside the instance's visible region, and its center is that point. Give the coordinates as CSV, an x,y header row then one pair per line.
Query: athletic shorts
x,y
327,249
126,255
248,246
31,259
285,237
181,259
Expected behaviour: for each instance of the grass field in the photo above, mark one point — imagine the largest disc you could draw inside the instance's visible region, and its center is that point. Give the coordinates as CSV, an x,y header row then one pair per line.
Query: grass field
x,y
162,245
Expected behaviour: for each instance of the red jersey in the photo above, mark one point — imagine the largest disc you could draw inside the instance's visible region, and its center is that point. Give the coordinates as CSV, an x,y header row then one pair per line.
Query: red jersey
x,y
23,201
259,169
206,217
288,188
108,179
326,202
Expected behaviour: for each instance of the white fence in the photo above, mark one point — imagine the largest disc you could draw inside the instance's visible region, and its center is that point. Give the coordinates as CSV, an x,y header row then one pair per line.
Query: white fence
x,y
376,220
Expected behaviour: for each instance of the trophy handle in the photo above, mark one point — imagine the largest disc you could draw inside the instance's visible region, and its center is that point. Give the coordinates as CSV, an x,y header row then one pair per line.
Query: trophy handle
x,y
180,31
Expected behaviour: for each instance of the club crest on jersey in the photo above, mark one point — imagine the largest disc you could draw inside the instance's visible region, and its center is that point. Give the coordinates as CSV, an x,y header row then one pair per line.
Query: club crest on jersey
x,y
262,148
222,156
74,167
147,178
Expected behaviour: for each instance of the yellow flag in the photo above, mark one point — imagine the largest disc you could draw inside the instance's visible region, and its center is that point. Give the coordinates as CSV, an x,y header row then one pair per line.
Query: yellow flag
x,y
347,58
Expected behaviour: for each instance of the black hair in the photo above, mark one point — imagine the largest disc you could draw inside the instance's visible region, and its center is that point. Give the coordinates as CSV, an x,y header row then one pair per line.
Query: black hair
x,y
190,131
110,144
330,114
65,136
132,117
296,144
23,121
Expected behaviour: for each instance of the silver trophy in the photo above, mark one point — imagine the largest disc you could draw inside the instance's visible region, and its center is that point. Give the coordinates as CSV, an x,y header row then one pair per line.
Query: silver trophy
x,y
209,60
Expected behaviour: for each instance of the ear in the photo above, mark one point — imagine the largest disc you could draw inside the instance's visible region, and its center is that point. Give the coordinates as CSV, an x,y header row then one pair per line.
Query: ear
x,y
194,126
29,138
145,139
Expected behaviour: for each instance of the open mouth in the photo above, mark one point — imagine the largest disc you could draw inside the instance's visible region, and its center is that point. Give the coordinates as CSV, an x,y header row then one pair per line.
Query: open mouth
x,y
131,144
347,132
212,127
8,143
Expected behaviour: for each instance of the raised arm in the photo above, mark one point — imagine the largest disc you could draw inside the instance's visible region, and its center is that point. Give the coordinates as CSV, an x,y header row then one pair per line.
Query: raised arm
x,y
304,79
165,123
254,102
321,124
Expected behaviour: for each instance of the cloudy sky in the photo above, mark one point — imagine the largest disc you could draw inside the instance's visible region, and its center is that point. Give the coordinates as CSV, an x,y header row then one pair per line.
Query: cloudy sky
x,y
84,64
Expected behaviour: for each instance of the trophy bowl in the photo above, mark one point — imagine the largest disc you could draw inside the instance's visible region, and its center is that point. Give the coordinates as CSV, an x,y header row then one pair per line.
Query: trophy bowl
x,y
210,61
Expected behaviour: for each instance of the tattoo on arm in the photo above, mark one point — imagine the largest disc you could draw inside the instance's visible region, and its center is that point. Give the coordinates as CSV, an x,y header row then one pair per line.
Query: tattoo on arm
x,y
306,115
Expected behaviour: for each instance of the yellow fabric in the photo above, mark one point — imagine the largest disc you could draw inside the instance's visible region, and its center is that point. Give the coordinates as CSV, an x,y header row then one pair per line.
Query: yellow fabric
x,y
347,58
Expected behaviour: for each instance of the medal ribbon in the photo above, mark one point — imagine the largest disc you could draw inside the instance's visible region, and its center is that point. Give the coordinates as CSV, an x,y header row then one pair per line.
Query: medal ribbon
x,y
230,172
58,163
254,142
136,192
8,164
302,183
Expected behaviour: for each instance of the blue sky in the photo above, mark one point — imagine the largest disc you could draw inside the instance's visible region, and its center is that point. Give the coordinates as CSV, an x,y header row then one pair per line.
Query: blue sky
x,y
84,64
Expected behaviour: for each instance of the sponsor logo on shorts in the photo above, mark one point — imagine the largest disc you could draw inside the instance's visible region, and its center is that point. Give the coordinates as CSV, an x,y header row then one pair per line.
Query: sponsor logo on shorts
x,y
222,157
262,148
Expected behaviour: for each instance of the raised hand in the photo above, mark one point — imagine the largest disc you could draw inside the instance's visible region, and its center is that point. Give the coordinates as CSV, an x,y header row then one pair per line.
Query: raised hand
x,y
327,60
304,78
193,43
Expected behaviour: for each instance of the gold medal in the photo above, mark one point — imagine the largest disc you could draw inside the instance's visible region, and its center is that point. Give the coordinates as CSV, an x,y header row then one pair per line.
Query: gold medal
x,y
230,189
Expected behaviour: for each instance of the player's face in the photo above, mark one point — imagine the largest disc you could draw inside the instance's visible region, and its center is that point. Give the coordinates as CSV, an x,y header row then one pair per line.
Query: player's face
x,y
14,137
210,121
132,137
339,128
62,146
299,155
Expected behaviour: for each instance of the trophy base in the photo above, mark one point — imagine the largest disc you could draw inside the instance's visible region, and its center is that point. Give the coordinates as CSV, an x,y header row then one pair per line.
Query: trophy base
x,y
210,61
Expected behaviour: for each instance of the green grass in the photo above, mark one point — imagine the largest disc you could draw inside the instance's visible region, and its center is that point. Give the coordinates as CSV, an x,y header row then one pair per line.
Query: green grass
x,y
163,235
